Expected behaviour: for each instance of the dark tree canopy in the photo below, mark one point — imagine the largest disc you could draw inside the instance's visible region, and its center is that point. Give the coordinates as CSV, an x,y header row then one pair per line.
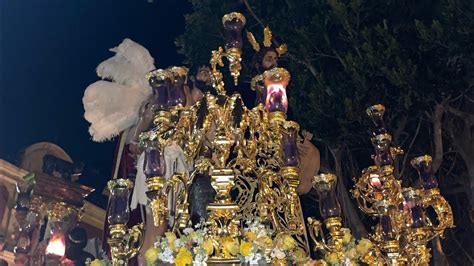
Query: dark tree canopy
x,y
415,57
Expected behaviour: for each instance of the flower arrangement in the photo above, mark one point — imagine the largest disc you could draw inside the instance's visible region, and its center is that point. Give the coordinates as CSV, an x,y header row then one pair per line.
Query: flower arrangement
x,y
354,252
285,250
192,247
254,245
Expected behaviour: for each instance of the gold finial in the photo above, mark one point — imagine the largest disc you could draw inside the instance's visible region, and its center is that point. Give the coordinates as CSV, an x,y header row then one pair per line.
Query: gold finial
x,y
375,110
267,37
282,49
253,41
418,160
160,74
179,70
232,16
277,74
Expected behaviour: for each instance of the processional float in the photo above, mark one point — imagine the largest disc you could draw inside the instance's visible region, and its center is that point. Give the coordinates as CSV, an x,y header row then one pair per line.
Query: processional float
x,y
251,157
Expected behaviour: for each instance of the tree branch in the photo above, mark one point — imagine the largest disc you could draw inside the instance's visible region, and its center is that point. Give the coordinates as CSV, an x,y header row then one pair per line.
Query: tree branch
x,y
462,249
410,146
305,63
437,135
249,9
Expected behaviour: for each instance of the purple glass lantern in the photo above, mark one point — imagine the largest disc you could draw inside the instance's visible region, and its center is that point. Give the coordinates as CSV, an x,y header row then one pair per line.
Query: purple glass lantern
x,y
385,210
329,205
412,205
176,92
119,212
387,228
233,24
154,165
160,82
423,165
290,152
383,156
376,113
276,81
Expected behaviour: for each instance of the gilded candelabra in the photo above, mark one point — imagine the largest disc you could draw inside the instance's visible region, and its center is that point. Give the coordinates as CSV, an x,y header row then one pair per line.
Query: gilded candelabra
x,y
403,228
325,185
124,242
250,154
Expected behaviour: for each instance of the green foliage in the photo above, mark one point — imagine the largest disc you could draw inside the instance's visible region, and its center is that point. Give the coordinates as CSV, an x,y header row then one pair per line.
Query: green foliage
x,y
345,55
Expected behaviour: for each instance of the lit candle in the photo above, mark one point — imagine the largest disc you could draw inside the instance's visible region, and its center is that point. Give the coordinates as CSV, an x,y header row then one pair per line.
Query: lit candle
x,y
276,80
375,181
56,245
276,98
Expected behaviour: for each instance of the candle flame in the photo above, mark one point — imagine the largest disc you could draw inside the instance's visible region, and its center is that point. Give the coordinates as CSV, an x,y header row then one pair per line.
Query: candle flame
x,y
274,90
375,181
56,245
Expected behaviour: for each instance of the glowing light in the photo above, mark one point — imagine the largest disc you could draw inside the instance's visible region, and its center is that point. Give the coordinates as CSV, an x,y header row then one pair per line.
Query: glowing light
x,y
375,181
56,245
276,98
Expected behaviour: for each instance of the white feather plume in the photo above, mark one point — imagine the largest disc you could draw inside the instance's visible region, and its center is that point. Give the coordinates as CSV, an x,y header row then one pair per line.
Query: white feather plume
x,y
112,107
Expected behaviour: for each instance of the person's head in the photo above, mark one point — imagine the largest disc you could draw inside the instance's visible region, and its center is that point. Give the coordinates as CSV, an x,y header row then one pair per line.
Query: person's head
x,y
265,59
203,74
77,237
198,85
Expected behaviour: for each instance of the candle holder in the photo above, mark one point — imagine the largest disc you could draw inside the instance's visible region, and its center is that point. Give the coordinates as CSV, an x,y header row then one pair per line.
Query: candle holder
x,y
330,210
154,169
431,196
124,242
276,80
233,24
177,98
403,229
160,81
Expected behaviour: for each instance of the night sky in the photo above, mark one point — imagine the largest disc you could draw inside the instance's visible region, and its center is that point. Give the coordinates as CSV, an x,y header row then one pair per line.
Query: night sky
x,y
49,50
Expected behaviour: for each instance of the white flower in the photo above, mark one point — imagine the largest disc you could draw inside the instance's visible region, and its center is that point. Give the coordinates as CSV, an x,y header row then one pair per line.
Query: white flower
x,y
166,255
261,233
188,230
178,243
347,262
200,258
277,253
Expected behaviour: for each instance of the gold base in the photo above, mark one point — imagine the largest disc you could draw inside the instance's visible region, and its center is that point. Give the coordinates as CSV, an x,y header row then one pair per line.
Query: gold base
x,y
162,117
219,206
391,246
289,172
156,183
222,180
386,170
277,117
117,230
